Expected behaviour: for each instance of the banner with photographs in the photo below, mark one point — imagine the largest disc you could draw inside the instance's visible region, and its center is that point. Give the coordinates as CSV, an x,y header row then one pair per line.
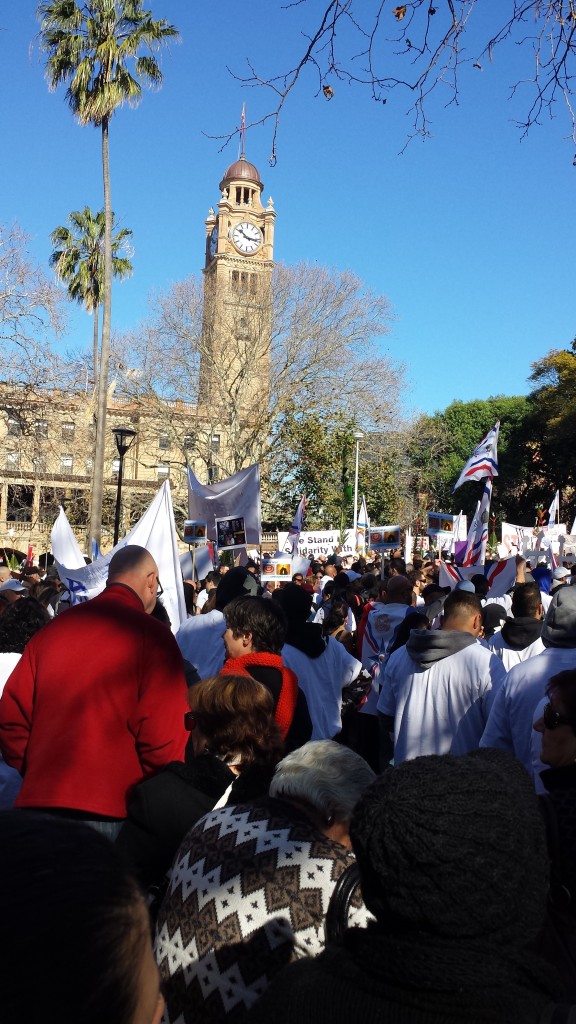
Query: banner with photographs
x,y
384,538
231,533
276,569
195,532
439,523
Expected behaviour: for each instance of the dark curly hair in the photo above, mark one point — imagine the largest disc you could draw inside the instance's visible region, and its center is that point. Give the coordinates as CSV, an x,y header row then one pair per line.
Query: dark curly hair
x,y
19,623
236,715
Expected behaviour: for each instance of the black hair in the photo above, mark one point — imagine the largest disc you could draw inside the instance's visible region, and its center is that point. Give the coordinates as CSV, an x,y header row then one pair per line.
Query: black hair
x,y
159,612
66,895
481,584
526,600
414,620
189,595
461,602
21,620
336,615
263,618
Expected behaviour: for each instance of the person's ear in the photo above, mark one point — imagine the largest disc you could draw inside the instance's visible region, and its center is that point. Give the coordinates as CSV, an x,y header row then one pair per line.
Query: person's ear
x,y
246,639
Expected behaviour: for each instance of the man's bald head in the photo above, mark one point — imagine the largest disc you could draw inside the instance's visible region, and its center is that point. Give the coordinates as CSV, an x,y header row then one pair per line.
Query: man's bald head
x,y
134,566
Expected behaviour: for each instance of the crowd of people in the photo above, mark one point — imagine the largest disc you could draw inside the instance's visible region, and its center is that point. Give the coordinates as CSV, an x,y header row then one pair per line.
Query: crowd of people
x,y
351,795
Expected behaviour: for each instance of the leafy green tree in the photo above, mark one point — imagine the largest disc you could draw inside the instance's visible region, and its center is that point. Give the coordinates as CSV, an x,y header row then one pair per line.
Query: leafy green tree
x,y
553,426
78,259
91,47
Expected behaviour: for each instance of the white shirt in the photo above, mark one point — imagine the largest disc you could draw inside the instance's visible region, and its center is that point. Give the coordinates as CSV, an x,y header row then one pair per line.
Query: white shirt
x,y
322,680
201,641
201,599
441,709
509,726
350,621
510,657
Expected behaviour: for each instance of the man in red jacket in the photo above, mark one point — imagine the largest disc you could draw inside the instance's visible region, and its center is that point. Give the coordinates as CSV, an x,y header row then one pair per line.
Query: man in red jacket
x,y
97,701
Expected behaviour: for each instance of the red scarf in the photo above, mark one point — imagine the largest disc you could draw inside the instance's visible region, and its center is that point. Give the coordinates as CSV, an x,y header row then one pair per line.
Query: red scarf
x,y
284,711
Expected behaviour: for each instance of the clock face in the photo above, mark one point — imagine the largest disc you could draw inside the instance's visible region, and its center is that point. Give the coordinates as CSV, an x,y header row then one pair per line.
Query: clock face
x,y
247,237
213,244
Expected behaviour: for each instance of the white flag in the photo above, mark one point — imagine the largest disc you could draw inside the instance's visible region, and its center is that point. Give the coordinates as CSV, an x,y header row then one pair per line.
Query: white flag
x,y
65,547
362,527
554,508
475,553
156,532
483,461
291,544
237,496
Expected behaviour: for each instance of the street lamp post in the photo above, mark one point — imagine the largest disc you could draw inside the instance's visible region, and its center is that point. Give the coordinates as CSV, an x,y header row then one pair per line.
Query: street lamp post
x,y
124,437
358,436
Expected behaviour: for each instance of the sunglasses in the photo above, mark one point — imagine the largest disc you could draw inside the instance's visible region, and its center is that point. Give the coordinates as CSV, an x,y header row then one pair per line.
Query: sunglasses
x,y
552,718
191,720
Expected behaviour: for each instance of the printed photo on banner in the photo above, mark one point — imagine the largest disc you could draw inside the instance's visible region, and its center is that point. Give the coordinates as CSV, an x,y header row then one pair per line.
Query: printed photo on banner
x,y
194,531
384,538
276,569
230,533
439,522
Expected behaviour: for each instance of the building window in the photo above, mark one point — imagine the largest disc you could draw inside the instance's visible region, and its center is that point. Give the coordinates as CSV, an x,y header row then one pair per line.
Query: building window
x,y
163,471
115,466
67,431
215,443
188,442
66,464
212,474
13,460
164,442
41,428
14,426
243,282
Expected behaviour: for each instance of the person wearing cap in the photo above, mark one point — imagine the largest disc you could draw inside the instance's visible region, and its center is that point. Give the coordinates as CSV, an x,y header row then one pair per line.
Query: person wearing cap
x,y
437,691
509,725
201,637
560,577
453,866
97,701
10,591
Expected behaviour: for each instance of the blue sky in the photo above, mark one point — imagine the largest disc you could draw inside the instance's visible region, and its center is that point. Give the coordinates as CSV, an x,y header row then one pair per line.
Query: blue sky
x,y
470,234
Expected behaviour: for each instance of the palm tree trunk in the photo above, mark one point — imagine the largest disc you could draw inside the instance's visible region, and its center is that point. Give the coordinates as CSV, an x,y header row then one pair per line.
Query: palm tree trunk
x,y
100,448
95,345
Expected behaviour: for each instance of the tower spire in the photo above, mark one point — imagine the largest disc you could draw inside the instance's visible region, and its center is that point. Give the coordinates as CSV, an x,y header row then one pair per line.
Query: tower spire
x,y
242,132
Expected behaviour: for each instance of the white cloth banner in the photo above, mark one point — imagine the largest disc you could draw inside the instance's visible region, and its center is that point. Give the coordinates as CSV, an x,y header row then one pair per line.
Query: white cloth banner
x,y
65,547
517,539
321,542
156,532
237,496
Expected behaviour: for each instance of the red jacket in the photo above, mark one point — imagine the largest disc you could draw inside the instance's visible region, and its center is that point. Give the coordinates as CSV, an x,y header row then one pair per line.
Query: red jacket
x,y
95,704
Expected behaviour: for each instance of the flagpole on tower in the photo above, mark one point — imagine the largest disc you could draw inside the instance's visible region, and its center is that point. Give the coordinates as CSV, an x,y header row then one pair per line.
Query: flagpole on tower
x,y
242,155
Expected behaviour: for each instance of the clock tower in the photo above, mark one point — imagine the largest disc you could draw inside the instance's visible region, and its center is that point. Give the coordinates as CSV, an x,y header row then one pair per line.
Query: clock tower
x,y
237,312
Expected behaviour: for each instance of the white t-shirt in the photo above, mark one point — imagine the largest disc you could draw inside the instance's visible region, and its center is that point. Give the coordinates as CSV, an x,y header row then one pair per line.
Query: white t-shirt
x,y
201,599
441,709
510,657
322,680
201,641
509,726
350,621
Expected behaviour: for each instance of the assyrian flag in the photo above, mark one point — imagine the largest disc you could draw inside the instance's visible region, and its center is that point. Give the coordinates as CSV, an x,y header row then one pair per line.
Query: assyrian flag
x,y
500,575
362,527
291,545
554,509
483,461
475,553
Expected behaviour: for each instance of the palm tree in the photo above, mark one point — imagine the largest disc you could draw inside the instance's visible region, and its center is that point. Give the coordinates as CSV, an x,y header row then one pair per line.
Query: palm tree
x,y
89,47
78,260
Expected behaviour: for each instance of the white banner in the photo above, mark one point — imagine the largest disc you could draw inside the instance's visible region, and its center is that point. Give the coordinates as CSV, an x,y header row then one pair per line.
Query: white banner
x,y
238,495
156,532
517,539
65,547
320,542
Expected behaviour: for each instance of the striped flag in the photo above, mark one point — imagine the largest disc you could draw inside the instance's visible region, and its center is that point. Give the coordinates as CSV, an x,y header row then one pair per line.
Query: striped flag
x,y
554,509
483,461
291,545
362,527
475,553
